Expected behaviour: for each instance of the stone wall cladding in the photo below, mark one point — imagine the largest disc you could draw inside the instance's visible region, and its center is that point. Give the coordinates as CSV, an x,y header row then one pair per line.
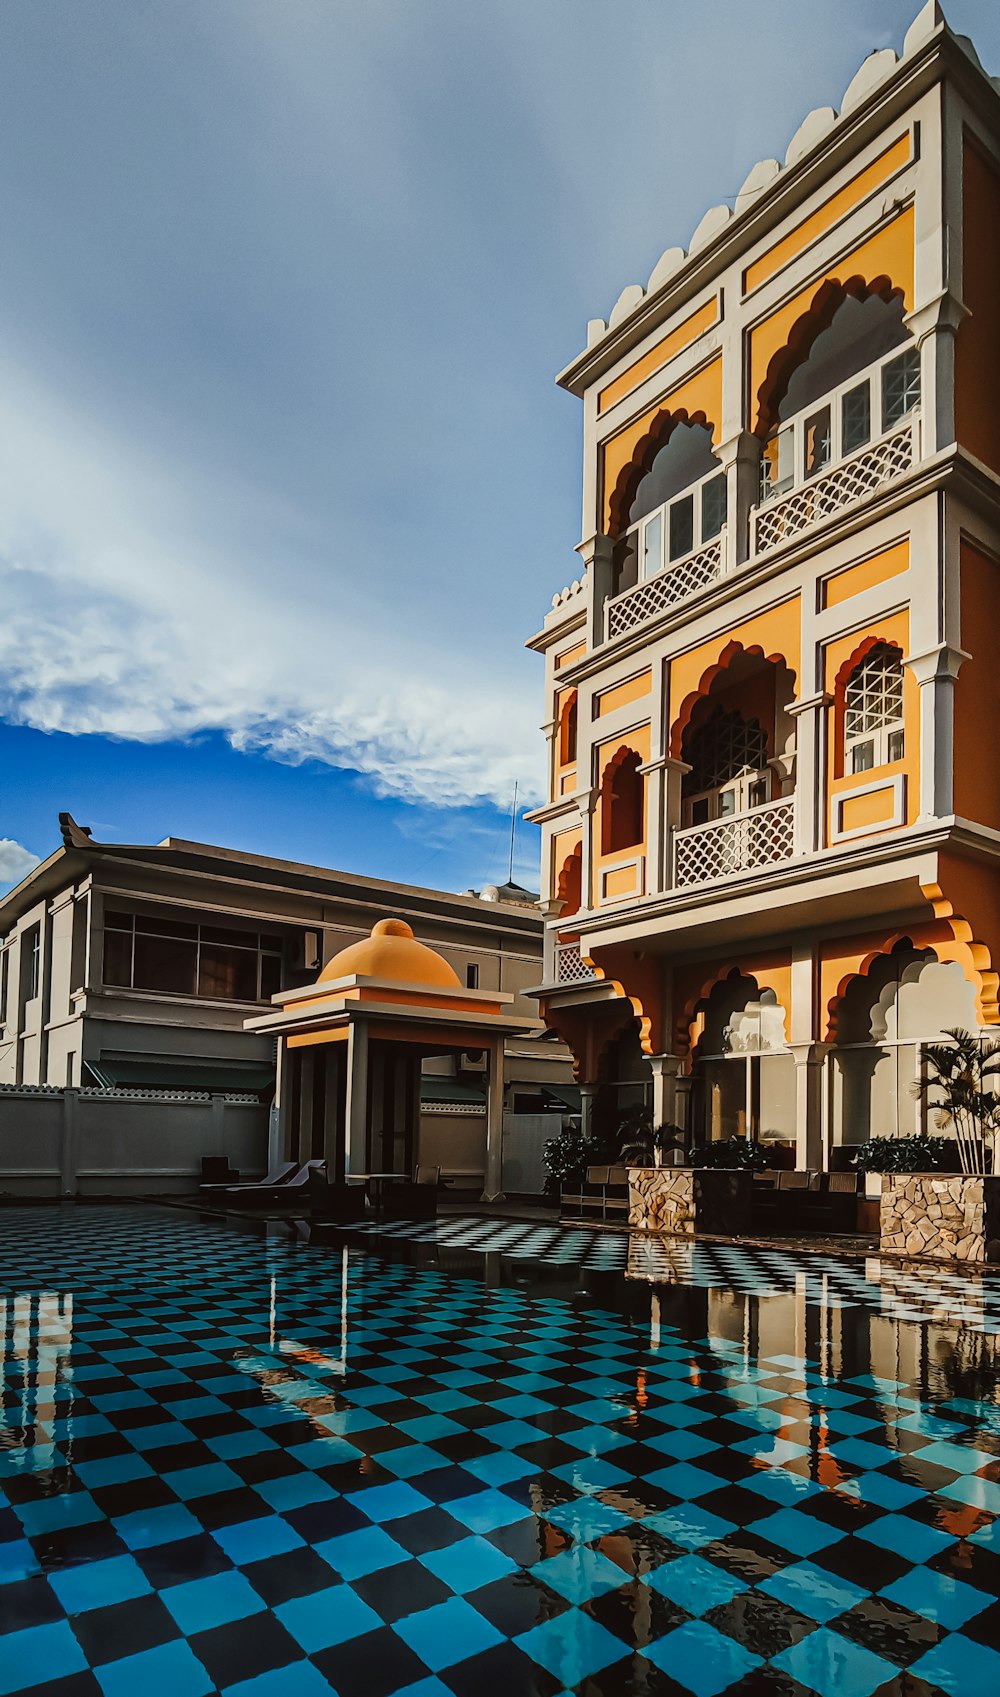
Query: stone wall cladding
x,y
948,1217
686,1200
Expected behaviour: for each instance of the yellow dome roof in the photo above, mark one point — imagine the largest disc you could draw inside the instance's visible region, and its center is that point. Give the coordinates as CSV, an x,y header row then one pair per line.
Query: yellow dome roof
x,y
392,952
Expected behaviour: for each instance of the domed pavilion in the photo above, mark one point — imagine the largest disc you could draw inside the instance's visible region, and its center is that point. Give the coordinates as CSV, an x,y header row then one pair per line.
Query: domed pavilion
x,y
377,1009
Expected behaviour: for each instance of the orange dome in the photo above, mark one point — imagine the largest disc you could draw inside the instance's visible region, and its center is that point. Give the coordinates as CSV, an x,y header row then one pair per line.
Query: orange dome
x,y
392,952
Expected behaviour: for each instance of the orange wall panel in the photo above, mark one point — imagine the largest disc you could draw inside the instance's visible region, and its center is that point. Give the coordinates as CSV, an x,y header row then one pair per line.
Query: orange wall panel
x,y
832,210
686,333
701,394
977,692
977,344
874,808
842,585
633,689
775,633
568,655
889,253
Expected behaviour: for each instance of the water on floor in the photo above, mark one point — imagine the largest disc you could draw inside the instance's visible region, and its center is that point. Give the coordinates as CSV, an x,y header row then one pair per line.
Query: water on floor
x,y
476,1458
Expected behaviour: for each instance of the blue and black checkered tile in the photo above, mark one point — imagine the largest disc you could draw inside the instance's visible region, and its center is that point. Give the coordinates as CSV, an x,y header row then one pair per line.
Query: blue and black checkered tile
x,y
230,1463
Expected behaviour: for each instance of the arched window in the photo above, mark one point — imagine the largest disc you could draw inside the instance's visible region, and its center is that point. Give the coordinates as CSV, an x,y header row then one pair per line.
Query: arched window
x,y
679,505
567,732
729,773
569,885
624,804
873,710
858,381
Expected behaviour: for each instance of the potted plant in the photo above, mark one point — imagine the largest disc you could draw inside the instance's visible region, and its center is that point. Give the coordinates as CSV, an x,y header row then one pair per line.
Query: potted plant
x,y
923,1210
961,1073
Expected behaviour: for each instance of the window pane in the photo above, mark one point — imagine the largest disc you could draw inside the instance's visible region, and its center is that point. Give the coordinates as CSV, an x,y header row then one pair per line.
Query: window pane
x,y
727,803
226,972
856,418
270,976
777,463
699,810
164,925
117,958
652,546
117,921
162,963
758,793
817,442
682,527
900,387
862,757
234,939
895,749
713,507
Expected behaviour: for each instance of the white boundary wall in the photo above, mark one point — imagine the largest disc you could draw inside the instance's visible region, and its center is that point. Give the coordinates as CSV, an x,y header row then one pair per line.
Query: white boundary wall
x,y
122,1143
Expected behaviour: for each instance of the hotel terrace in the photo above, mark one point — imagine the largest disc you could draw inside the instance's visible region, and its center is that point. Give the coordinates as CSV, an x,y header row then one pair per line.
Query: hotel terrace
x,y
771,840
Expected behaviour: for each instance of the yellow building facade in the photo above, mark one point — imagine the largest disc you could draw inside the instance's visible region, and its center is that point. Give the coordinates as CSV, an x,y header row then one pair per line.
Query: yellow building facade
x,y
771,845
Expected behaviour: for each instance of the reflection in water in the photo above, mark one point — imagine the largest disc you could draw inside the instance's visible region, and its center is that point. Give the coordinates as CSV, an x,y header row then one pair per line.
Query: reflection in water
x,y
642,1483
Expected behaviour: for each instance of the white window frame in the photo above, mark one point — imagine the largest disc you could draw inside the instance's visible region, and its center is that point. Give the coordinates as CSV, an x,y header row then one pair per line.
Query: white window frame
x,y
873,376
880,736
695,493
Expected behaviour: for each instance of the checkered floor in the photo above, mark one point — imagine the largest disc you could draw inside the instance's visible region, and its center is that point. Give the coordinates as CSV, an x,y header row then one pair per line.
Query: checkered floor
x,y
232,1462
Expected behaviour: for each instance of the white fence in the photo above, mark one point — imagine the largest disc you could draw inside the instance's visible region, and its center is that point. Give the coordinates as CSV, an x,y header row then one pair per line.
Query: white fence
x,y
122,1143
741,843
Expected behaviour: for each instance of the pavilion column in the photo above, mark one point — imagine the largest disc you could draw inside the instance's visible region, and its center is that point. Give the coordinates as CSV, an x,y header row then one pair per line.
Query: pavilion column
x,y
493,1188
665,1069
356,1113
809,1061
587,1094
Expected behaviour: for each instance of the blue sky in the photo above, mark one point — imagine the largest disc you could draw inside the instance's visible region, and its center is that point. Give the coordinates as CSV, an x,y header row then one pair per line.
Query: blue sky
x,y
284,478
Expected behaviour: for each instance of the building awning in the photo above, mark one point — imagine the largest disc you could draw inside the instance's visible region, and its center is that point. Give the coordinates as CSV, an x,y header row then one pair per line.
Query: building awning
x,y
563,1096
180,1072
450,1091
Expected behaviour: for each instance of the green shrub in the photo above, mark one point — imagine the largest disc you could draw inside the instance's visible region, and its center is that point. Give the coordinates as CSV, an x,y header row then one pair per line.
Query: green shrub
x,y
921,1154
567,1157
729,1152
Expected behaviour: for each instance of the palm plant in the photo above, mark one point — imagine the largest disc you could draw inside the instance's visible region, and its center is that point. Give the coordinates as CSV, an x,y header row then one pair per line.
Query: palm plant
x,y
961,1073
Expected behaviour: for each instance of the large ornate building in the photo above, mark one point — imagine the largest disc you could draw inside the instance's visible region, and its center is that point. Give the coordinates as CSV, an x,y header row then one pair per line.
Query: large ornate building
x,y
772,839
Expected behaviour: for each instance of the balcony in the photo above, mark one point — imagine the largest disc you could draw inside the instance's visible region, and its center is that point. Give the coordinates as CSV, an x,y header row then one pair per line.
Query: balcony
x,y
745,842
570,967
672,584
828,456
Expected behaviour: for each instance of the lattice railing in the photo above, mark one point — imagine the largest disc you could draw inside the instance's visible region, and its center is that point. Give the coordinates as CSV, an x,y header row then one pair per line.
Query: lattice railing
x,y
852,481
571,968
740,844
658,593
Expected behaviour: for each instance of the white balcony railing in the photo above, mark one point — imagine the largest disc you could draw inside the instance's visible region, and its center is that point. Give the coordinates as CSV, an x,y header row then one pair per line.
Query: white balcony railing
x,y
853,480
571,968
652,597
742,843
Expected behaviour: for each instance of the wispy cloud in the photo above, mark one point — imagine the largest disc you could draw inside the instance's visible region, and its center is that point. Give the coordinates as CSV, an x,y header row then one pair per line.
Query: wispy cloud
x,y
283,290
15,863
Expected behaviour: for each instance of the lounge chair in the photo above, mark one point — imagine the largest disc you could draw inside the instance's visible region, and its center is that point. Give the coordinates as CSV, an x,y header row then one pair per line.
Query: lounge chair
x,y
335,1202
293,1184
278,1175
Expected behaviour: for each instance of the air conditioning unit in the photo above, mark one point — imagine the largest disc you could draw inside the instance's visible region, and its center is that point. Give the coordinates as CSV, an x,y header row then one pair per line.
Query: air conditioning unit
x,y
474,1061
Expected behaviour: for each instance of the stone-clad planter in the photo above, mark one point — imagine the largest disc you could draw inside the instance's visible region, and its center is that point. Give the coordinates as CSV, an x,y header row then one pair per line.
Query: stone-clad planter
x,y
687,1200
950,1217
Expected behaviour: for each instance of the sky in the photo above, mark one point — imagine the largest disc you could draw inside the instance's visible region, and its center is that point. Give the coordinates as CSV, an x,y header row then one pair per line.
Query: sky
x,y
285,480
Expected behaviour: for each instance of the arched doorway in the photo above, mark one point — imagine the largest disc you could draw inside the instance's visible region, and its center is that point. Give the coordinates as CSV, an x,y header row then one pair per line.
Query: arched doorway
x,y
907,998
743,1073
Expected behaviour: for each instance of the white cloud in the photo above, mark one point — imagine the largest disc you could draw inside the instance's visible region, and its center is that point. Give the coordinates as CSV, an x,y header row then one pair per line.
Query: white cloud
x,y
15,863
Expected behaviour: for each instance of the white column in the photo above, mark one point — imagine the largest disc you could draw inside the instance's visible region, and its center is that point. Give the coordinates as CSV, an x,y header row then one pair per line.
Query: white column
x,y
587,803
597,553
665,1069
933,327
587,1095
935,671
493,1188
739,457
809,1060
810,771
356,1115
